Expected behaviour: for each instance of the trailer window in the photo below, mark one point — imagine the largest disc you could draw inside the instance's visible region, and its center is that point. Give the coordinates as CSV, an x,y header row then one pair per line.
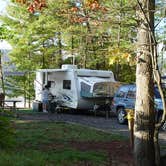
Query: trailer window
x,y
85,90
85,87
66,84
44,77
49,84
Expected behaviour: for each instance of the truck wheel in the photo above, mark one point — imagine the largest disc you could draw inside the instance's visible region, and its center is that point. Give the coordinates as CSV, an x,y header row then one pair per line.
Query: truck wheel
x,y
164,127
121,116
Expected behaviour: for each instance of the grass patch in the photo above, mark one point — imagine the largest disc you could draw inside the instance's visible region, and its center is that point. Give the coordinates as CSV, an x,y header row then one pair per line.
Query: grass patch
x,y
46,132
67,157
49,143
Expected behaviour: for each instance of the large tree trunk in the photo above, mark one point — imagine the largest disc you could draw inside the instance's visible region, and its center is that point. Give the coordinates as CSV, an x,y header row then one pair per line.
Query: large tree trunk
x,y
144,151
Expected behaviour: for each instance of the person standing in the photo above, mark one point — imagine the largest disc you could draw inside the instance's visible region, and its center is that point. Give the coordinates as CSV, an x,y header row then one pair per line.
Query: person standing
x,y
45,98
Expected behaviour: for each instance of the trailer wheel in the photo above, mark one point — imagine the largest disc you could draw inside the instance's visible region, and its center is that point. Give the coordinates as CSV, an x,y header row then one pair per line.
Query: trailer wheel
x,y
59,109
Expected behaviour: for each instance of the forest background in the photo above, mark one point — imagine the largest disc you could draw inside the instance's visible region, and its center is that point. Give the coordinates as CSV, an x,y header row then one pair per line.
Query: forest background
x,y
91,34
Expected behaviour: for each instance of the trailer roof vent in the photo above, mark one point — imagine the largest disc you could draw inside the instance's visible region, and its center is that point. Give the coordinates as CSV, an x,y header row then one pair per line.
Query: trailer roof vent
x,y
69,66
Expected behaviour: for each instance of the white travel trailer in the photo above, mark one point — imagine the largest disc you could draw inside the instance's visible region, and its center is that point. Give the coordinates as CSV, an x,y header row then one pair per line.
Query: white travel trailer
x,y
76,88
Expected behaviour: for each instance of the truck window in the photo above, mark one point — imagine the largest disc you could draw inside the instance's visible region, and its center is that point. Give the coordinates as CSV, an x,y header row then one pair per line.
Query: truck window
x,y
157,93
122,91
131,94
66,84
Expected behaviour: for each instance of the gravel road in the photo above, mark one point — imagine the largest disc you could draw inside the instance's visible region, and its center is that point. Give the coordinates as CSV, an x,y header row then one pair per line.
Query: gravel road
x,y
101,123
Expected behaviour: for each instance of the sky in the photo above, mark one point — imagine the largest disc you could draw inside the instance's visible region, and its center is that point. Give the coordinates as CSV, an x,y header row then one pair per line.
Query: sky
x,y
3,4
4,44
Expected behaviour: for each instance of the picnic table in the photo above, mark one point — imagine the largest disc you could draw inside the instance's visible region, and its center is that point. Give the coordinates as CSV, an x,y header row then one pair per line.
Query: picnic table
x,y
5,104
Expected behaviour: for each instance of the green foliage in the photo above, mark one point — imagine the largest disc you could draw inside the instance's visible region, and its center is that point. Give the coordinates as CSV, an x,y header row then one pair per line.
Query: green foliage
x,y
40,41
20,85
4,32
125,69
6,133
89,33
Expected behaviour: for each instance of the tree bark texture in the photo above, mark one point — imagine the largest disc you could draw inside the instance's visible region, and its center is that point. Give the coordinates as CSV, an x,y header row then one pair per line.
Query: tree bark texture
x,y
144,151
1,75
59,56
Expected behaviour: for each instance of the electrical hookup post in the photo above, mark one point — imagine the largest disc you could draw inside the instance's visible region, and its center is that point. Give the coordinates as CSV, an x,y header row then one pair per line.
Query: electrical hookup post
x,y
130,118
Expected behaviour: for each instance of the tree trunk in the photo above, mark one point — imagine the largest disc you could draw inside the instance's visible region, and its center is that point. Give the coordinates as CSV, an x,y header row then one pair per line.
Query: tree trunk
x,y
1,75
59,56
144,150
72,50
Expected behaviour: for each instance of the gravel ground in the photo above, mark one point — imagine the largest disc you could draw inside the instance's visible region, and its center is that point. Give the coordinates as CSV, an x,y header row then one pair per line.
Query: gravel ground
x,y
99,122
